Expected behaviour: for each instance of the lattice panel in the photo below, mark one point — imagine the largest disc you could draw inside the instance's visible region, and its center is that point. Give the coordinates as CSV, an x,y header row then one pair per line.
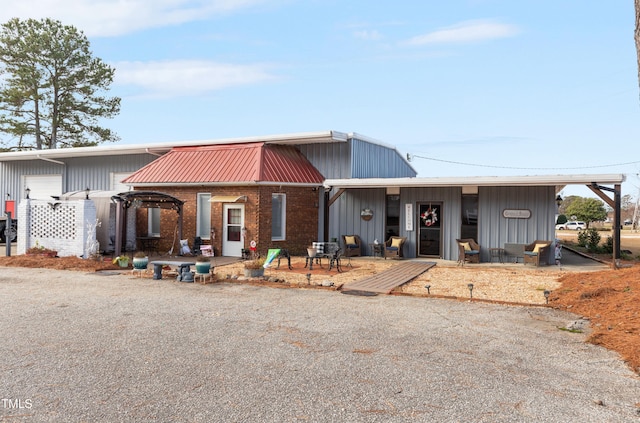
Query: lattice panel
x,y
53,221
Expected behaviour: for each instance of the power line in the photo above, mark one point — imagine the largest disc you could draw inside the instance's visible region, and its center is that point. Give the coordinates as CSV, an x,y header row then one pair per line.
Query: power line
x,y
411,156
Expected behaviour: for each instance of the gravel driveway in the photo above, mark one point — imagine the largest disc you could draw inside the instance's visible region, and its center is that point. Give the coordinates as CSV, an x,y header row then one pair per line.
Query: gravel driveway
x,y
78,347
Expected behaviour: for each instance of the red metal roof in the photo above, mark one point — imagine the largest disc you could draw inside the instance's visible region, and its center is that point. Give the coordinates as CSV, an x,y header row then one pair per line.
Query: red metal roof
x,y
230,163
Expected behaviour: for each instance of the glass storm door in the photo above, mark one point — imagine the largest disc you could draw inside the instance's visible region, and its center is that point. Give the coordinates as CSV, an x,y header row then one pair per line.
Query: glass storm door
x,y
233,222
429,232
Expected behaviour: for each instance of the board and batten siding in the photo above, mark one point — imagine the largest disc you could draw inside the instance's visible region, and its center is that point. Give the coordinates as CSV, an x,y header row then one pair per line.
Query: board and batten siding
x,y
345,217
450,218
77,173
494,230
369,160
333,160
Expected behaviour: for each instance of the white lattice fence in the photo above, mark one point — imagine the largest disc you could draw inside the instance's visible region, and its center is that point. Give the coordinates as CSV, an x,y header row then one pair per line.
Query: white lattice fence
x,y
64,226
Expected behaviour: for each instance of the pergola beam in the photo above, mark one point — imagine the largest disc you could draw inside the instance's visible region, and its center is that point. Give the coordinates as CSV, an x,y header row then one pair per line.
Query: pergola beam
x,y
615,205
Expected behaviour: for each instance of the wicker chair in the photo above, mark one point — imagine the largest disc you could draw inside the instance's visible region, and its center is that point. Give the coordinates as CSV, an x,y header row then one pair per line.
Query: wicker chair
x,y
352,245
393,247
537,250
468,251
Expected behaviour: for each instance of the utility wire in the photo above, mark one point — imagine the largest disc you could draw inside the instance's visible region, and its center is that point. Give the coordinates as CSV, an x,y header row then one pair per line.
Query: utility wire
x,y
411,156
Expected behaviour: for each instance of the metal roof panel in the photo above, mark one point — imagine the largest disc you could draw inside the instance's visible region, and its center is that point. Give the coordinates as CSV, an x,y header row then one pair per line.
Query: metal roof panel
x,y
232,163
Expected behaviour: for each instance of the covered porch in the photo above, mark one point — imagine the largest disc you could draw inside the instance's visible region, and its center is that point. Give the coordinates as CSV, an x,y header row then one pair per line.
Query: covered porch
x,y
492,210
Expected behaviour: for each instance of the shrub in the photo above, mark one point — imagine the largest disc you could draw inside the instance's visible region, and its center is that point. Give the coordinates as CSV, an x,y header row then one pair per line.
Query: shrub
x,y
582,238
254,264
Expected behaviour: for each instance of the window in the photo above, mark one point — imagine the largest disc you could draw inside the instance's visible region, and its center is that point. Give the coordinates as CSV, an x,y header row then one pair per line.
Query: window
x,y
392,223
203,217
154,222
469,217
278,216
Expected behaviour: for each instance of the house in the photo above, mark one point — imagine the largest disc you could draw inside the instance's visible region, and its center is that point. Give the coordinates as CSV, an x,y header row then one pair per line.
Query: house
x,y
289,190
262,189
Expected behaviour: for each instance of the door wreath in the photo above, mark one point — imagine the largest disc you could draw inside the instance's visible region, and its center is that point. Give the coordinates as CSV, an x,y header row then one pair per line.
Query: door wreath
x,y
430,216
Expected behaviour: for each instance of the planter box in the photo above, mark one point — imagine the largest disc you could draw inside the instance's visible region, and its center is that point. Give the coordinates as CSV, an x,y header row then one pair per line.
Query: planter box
x,y
254,273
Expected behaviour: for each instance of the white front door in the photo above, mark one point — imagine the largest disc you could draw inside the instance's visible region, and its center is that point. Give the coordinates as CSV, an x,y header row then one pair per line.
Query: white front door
x,y
233,222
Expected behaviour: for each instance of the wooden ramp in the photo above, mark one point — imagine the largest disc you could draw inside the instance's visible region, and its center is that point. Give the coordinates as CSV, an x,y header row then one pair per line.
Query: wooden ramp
x,y
385,282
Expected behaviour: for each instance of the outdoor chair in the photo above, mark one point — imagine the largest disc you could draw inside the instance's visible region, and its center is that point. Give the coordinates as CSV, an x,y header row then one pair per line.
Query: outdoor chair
x,y
468,251
393,247
352,245
537,252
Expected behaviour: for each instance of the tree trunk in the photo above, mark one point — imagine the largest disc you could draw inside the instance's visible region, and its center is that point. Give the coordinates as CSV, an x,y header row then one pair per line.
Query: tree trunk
x,y
636,36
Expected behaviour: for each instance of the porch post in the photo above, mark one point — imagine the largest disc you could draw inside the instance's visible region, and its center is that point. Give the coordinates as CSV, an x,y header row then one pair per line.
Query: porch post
x,y
118,238
616,222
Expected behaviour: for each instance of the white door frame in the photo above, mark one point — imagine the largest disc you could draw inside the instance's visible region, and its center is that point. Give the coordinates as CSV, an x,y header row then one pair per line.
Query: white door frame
x,y
232,240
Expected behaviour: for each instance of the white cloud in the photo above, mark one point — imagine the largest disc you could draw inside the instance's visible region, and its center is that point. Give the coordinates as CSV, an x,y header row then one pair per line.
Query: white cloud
x,y
465,32
116,17
368,35
187,77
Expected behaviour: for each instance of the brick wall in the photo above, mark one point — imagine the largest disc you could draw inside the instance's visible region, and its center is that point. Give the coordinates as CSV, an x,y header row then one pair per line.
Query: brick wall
x,y
302,216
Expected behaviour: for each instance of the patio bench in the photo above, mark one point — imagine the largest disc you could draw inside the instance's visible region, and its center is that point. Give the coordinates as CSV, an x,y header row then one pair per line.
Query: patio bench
x,y
184,269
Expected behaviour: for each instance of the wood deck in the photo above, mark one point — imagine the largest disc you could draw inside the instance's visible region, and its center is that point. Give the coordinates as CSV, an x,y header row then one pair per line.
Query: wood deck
x,y
385,282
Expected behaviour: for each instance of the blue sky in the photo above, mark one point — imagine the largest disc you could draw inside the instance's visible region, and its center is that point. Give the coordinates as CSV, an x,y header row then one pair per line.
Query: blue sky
x,y
502,87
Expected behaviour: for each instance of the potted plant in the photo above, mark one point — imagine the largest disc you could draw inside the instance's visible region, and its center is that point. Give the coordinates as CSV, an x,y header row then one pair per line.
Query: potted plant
x,y
122,261
254,268
140,260
311,251
203,265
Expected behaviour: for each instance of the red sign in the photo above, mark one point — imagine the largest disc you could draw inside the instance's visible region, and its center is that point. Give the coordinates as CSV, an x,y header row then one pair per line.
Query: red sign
x,y
10,207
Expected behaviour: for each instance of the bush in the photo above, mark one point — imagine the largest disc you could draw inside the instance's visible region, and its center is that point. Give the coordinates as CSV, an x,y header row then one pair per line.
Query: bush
x,y
590,239
582,238
254,264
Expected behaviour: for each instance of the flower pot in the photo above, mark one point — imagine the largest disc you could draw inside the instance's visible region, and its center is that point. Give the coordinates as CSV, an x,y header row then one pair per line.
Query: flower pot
x,y
140,263
254,273
203,267
123,263
311,252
